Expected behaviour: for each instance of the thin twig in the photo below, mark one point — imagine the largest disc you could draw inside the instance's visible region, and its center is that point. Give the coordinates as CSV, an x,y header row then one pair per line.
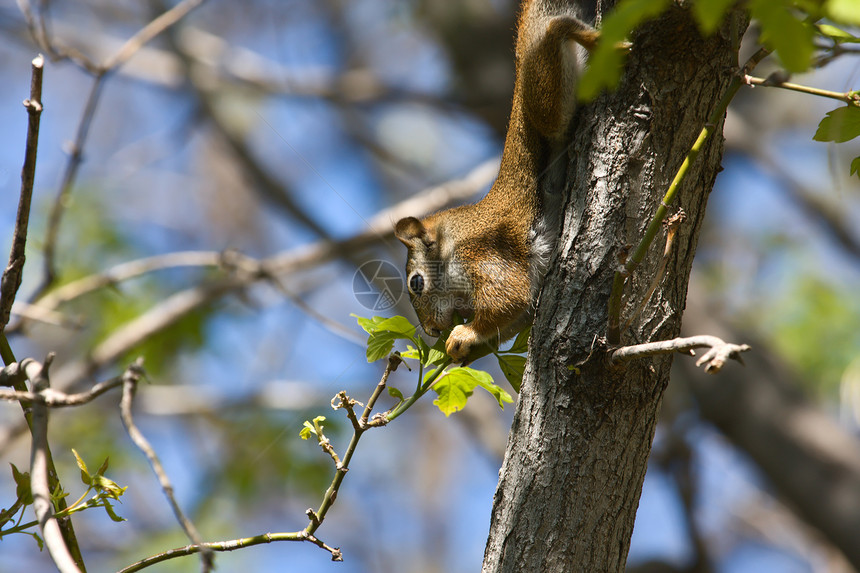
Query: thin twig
x,y
672,225
714,359
55,399
317,517
150,31
130,379
43,506
852,97
58,207
11,279
230,545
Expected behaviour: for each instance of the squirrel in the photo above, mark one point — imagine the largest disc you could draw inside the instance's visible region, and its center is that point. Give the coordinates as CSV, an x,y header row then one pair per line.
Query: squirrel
x,y
486,261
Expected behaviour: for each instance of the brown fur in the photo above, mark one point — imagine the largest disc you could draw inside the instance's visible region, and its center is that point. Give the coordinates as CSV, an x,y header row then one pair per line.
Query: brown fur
x,y
478,259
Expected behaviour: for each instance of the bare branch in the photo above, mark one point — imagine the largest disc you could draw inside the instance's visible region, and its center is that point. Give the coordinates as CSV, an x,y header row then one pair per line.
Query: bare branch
x,y
150,31
714,359
130,379
53,398
12,274
39,464
231,545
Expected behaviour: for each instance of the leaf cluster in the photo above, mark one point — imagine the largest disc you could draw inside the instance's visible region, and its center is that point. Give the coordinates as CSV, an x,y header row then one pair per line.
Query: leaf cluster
x,y
105,492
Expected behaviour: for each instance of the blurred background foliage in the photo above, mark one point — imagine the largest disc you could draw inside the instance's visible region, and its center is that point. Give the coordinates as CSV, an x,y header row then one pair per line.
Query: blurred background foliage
x,y
266,126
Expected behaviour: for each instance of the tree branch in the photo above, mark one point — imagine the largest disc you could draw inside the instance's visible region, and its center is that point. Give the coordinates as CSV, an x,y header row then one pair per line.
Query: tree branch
x,y
11,279
130,379
714,359
39,472
852,98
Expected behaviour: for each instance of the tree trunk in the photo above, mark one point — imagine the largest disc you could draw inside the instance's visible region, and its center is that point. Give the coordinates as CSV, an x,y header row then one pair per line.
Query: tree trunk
x,y
576,457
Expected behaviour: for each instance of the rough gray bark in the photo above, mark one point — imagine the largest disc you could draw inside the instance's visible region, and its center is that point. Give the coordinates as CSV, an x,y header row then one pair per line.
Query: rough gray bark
x,y
576,458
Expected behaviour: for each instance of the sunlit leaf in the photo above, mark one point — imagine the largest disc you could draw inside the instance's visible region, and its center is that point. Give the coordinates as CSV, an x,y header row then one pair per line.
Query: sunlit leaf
x,y
839,125
790,37
843,11
85,474
837,34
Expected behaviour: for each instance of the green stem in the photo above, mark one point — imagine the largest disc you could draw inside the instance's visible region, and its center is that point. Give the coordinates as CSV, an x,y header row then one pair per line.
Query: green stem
x,y
847,97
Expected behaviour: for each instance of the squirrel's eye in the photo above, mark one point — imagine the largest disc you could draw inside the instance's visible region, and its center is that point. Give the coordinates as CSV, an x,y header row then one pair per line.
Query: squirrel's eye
x,y
416,283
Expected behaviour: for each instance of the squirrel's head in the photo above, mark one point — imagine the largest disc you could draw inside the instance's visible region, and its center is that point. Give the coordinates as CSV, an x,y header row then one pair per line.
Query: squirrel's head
x,y
437,282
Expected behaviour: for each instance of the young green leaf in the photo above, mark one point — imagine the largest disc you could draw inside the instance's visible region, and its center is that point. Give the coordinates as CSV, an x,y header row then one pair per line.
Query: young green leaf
x,y
85,474
309,428
837,34
368,324
843,11
791,38
411,352
109,509
855,166
453,389
395,393
38,539
709,14
501,396
22,485
383,332
513,368
839,125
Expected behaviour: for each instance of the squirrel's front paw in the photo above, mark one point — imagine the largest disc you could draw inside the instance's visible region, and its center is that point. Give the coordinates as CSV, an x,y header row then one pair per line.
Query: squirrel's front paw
x,y
461,342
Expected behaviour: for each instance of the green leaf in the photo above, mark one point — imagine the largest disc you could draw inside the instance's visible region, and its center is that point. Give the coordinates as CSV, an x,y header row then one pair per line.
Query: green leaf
x,y
709,14
604,63
791,38
521,343
453,389
111,513
103,468
395,393
501,396
85,474
837,34
411,352
108,486
38,539
843,11
839,125
457,384
383,332
379,345
23,491
513,368
314,428
855,166
368,324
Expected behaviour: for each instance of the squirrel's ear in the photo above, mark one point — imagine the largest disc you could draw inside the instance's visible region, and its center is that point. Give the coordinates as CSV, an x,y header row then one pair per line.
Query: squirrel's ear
x,y
410,229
